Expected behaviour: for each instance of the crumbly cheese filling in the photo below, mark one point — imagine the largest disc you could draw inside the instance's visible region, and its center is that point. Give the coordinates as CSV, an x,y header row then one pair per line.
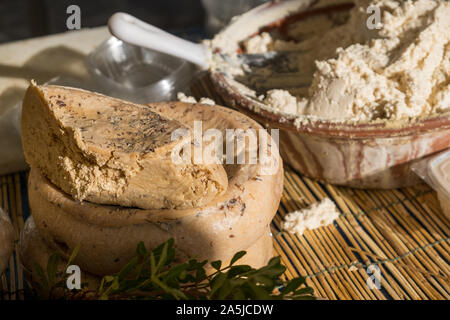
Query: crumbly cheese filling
x,y
360,74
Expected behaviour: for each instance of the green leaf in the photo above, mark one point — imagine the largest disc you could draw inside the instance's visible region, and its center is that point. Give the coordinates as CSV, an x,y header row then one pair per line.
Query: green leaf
x,y
103,297
238,270
304,291
42,275
194,264
130,286
162,257
216,283
169,244
265,281
141,250
258,292
183,274
152,264
226,290
177,294
239,294
52,267
73,256
273,269
115,284
200,275
128,268
237,256
175,274
170,255
293,285
138,271
216,265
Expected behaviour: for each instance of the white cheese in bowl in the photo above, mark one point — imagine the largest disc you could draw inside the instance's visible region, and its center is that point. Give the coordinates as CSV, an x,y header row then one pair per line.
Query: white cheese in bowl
x,y
398,70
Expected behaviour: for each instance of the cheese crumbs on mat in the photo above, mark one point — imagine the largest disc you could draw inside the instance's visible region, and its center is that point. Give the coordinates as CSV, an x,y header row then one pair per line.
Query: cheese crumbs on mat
x,y
320,214
110,151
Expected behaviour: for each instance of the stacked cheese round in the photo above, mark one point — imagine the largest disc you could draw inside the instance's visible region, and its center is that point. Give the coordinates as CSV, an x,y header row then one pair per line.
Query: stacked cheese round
x,y
6,240
33,248
108,217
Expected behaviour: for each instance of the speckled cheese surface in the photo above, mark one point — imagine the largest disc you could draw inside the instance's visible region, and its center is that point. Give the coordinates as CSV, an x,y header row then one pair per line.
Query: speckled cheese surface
x,y
109,151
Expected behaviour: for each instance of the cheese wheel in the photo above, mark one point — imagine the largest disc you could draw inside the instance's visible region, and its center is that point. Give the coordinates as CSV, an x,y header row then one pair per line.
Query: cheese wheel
x,y
6,240
34,250
108,235
109,151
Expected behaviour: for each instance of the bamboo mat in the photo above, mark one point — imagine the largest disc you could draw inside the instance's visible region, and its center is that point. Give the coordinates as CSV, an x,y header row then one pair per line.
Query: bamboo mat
x,y
403,232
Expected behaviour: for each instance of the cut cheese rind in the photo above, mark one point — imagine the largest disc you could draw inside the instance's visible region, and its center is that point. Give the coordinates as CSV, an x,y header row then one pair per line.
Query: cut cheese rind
x,y
109,151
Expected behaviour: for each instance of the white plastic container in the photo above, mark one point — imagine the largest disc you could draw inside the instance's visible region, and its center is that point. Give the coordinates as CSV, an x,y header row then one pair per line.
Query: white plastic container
x,y
436,172
439,169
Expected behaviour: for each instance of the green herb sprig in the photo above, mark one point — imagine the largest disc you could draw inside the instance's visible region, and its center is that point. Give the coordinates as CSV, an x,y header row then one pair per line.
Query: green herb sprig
x,y
154,275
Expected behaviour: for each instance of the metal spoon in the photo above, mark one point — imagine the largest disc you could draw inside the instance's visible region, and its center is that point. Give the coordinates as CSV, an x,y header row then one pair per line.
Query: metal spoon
x,y
132,30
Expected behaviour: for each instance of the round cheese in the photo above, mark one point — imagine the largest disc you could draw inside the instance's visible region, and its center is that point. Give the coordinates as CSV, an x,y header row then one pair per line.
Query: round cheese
x,y
108,235
6,240
35,251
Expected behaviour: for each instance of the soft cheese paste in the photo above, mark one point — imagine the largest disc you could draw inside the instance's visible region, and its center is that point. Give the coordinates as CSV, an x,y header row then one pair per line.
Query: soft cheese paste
x,y
354,73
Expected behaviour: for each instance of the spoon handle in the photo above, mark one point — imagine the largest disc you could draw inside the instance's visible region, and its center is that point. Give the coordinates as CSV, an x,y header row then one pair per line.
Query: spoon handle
x,y
134,31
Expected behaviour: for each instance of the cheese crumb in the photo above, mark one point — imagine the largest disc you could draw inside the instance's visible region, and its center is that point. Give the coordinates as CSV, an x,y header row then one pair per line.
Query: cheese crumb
x,y
184,98
282,101
353,268
259,43
320,214
207,101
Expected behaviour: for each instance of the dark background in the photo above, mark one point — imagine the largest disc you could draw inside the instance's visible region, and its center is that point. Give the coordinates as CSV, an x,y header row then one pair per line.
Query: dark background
x,y
21,19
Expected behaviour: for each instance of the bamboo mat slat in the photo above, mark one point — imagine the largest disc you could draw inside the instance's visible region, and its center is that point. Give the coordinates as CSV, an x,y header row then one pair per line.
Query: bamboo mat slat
x,y
402,231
